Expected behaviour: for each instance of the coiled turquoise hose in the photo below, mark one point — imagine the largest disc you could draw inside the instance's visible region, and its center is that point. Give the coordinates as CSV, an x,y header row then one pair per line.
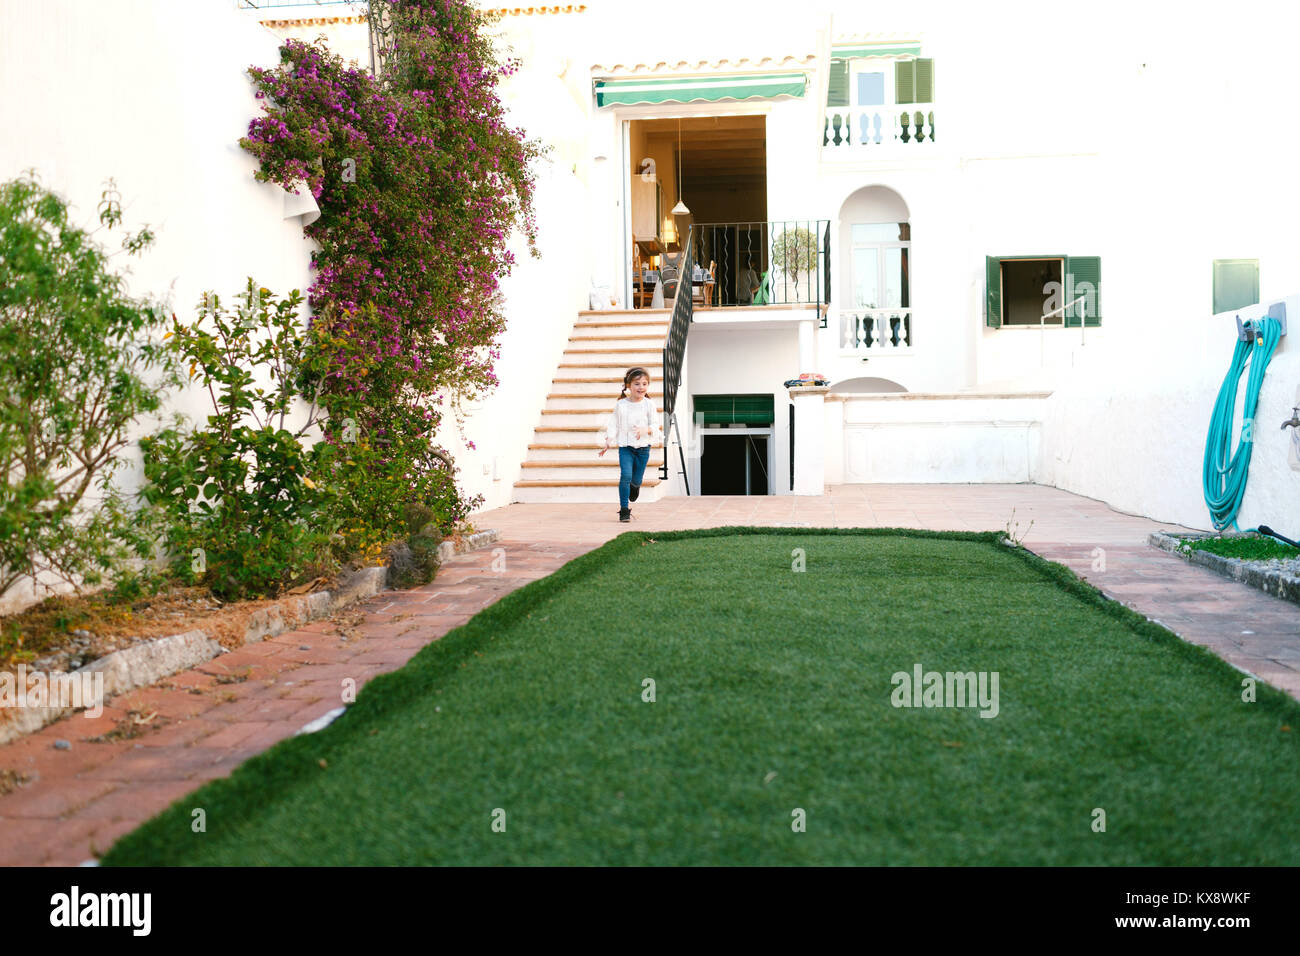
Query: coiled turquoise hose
x,y
1223,477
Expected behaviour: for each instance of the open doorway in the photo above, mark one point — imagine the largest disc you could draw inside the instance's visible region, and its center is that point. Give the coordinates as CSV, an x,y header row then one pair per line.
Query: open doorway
x,y
734,464
722,182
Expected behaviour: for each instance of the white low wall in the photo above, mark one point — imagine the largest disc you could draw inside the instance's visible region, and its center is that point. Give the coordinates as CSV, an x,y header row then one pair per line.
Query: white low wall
x,y
914,438
1129,427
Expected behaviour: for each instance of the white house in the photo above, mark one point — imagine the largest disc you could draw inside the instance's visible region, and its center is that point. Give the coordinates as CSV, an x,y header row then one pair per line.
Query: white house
x,y
942,165
960,175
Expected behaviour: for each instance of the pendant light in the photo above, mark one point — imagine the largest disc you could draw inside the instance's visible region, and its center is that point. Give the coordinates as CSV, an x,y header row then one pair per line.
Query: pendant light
x,y
680,209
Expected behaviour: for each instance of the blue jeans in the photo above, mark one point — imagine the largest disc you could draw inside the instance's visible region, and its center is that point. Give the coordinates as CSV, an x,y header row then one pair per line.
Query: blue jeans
x,y
631,469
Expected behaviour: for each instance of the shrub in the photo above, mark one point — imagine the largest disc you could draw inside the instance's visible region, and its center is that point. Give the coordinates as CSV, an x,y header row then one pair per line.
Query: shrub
x,y
242,502
78,365
382,462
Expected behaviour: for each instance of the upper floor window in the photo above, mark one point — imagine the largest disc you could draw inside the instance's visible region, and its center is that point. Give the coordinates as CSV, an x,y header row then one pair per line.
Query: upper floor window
x,y
875,101
870,82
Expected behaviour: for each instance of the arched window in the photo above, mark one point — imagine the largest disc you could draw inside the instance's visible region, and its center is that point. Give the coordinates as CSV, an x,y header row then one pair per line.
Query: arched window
x,y
875,284
879,261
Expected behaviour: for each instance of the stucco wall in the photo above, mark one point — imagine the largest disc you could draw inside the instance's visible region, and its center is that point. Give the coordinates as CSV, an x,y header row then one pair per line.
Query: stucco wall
x,y
153,93
576,184
1129,428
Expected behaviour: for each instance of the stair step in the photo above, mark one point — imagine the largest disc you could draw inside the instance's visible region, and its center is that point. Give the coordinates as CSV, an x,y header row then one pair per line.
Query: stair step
x,y
556,446
667,312
593,412
598,401
604,470
664,324
592,419
603,379
615,338
588,429
653,351
592,463
579,483
612,365
594,395
585,454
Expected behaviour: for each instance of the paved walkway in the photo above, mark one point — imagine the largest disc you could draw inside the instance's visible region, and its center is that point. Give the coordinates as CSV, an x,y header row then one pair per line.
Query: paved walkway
x,y
201,724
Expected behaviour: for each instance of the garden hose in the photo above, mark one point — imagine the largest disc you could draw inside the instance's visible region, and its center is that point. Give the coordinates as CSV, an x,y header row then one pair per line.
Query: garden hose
x,y
1225,470
1265,529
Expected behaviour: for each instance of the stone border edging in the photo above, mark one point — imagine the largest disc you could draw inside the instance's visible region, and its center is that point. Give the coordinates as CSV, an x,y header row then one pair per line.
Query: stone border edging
x,y
473,542
150,661
1276,583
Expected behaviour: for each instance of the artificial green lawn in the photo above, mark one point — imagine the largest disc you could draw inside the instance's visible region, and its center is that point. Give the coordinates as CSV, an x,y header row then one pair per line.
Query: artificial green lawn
x,y
773,693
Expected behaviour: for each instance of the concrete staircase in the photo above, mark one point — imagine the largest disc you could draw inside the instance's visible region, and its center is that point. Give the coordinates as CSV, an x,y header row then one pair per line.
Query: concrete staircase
x,y
562,463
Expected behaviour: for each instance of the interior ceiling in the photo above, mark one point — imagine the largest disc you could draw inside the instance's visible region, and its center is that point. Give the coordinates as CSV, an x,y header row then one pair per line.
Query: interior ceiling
x,y
718,150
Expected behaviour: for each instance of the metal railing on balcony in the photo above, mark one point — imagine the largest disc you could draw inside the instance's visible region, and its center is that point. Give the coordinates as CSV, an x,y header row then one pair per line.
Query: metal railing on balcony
x,y
784,262
857,132
869,332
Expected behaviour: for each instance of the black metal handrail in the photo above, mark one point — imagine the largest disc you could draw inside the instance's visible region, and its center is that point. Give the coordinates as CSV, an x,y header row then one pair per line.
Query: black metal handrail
x,y
783,262
675,352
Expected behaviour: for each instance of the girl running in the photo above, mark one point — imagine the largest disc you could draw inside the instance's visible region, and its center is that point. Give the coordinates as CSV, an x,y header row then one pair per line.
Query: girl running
x,y
633,427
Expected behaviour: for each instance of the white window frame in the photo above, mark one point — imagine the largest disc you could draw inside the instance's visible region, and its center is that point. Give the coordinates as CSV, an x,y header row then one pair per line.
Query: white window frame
x,y
880,265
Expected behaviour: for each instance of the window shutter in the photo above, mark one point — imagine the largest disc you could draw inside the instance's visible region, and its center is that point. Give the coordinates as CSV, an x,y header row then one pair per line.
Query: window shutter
x,y
993,292
904,82
1236,284
924,74
837,93
1083,275
735,409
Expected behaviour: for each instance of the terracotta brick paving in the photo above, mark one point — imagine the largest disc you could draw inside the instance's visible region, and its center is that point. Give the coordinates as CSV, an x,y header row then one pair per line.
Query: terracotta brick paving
x,y
208,720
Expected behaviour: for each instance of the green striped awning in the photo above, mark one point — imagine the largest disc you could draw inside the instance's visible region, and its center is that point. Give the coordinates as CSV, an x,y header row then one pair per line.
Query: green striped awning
x,y
876,49
734,409
691,89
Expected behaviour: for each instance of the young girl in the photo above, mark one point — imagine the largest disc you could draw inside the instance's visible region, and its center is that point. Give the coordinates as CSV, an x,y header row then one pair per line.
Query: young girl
x,y
633,426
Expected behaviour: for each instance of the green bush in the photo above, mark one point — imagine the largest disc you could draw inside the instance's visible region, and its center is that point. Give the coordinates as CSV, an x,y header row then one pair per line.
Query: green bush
x,y
241,502
78,365
382,462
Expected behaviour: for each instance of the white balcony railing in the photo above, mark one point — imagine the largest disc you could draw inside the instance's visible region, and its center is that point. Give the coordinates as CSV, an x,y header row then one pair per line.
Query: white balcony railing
x,y
858,132
871,332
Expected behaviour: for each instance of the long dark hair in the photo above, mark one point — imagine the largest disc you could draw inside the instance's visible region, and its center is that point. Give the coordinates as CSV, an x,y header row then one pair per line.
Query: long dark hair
x,y
631,376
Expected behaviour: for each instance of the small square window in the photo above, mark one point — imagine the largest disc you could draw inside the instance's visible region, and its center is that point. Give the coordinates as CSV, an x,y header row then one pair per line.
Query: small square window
x,y
871,89
1236,284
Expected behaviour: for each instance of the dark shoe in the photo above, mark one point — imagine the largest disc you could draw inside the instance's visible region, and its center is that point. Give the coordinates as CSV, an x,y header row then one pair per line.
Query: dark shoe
x,y
634,492
624,514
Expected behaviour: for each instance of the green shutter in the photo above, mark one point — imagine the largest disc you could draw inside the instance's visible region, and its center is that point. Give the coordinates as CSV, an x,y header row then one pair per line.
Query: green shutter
x,y
993,292
924,75
904,82
735,409
837,93
1083,274
1236,284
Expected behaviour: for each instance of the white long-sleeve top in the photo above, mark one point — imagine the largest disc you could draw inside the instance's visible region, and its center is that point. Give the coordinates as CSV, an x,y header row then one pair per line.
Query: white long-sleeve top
x,y
627,416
